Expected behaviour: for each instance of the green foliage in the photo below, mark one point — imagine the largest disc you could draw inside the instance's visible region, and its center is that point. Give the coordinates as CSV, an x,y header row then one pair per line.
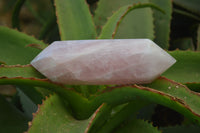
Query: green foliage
x,y
187,65
74,20
177,96
52,117
162,22
14,47
25,71
131,26
110,28
120,115
101,109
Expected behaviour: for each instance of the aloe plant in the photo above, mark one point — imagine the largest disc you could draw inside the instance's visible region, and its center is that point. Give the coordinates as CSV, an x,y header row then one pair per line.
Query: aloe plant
x,y
39,105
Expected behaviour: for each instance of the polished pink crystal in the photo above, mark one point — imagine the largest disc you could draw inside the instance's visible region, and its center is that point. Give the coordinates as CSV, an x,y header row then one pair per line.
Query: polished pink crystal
x,y
97,62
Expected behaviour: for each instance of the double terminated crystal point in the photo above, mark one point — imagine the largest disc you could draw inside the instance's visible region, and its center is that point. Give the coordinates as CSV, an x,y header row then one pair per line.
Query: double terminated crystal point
x,y
97,62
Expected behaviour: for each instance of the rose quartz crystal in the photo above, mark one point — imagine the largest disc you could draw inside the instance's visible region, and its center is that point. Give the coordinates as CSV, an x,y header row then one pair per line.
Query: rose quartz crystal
x,y
97,62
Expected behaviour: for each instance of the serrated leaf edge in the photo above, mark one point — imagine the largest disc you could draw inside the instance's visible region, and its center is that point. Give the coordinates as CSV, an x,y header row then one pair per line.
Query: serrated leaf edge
x,y
92,118
38,110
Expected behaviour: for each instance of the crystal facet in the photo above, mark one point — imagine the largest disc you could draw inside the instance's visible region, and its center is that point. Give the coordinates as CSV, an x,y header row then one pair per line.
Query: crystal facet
x,y
97,62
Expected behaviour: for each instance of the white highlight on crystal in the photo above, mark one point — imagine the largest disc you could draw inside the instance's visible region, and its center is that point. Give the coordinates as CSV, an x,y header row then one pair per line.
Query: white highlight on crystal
x,y
114,61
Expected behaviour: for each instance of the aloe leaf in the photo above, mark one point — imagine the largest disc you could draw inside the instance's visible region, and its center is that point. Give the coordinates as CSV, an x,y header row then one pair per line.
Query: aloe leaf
x,y
29,96
192,5
26,71
194,86
11,119
105,9
179,92
102,115
53,116
110,28
74,20
87,91
81,106
13,47
187,65
137,126
129,110
125,24
131,26
162,22
29,77
161,91
172,95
